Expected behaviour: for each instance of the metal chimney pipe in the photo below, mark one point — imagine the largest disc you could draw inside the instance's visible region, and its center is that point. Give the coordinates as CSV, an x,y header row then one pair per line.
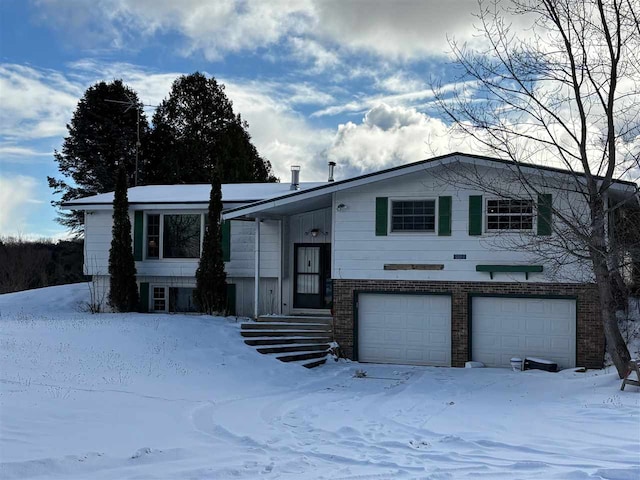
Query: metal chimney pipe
x,y
295,177
331,167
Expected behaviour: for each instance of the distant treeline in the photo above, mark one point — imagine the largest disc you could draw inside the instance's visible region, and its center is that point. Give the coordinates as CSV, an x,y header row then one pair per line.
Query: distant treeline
x,y
33,264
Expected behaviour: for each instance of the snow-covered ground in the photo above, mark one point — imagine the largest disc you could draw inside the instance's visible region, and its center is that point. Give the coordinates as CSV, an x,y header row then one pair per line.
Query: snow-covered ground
x,y
173,396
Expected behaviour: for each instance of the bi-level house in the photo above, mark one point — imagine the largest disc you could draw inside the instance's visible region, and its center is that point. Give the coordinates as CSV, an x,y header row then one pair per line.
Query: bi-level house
x,y
417,264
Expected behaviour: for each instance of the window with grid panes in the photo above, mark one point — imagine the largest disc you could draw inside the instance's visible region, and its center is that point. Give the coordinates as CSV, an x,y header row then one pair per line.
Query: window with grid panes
x,y
159,299
509,214
413,216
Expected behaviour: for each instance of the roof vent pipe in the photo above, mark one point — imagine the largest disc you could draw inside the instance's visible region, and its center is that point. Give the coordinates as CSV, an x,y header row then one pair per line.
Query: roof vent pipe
x,y
331,167
295,177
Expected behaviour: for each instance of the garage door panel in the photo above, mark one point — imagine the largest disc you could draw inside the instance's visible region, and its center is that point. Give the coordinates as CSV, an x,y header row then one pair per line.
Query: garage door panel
x,y
560,328
563,308
439,322
503,328
507,342
536,343
416,330
507,325
532,307
560,344
535,326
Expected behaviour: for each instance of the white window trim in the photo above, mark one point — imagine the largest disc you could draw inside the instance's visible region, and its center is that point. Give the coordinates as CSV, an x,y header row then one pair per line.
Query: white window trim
x,y
485,217
152,299
162,213
411,232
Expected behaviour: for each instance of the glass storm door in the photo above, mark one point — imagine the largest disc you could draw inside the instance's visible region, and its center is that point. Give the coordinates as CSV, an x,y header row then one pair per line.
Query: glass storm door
x,y
312,276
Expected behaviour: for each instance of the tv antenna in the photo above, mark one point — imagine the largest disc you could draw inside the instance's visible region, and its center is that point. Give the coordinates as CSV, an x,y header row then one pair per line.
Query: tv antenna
x,y
131,103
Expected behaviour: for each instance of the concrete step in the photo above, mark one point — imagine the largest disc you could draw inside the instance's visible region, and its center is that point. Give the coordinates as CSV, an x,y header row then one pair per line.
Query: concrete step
x,y
287,341
305,347
315,363
295,319
283,333
319,327
302,356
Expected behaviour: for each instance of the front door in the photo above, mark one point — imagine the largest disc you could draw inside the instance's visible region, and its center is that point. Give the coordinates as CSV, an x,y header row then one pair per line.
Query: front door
x,y
312,276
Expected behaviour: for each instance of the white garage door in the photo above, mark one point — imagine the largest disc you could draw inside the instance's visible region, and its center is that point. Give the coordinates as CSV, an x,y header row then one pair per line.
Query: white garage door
x,y
404,329
518,327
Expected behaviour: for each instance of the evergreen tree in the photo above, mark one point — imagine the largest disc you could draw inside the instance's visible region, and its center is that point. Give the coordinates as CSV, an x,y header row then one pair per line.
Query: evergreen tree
x,y
123,295
211,290
195,130
102,135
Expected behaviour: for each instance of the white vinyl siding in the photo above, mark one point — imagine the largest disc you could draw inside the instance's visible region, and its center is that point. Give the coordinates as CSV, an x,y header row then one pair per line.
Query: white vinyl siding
x,y
359,254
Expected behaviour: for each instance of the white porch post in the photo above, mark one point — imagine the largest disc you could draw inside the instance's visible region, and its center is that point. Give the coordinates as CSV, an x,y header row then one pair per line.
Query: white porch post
x,y
257,271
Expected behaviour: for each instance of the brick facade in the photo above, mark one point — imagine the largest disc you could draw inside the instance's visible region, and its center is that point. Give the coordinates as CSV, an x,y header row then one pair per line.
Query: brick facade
x,y
590,336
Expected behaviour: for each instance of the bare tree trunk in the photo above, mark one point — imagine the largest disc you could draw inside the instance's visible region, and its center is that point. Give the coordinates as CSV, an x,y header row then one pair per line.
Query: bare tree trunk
x,y
616,346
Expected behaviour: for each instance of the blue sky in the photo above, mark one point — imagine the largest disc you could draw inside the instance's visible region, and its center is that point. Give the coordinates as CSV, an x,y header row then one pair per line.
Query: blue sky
x,y
317,81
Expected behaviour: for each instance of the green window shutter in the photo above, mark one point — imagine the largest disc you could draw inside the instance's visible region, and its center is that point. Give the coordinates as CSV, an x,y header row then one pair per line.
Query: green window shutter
x,y
226,240
144,297
475,214
444,216
382,212
544,214
231,299
138,234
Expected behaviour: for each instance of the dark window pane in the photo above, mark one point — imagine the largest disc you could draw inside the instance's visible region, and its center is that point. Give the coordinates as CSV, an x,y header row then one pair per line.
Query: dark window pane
x,y
181,237
153,236
181,300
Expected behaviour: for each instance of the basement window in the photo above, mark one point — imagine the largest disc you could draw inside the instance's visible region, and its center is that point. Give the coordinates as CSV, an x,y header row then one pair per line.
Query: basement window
x,y
159,299
174,299
509,214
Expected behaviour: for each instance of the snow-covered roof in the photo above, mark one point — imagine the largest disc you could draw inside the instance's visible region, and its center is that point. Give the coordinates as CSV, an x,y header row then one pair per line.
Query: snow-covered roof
x,y
168,194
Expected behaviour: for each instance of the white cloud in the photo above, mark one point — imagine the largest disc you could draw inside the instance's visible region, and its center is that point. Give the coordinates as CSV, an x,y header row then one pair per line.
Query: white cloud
x,y
401,82
369,102
390,136
36,103
280,134
213,28
10,153
311,51
18,200
401,30
318,31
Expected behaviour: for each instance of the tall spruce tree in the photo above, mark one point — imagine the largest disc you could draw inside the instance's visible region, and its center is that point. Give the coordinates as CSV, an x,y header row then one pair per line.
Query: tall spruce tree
x,y
123,294
102,135
196,130
211,289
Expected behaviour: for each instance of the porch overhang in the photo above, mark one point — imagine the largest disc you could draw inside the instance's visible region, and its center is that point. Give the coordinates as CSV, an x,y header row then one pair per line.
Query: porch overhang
x,y
281,207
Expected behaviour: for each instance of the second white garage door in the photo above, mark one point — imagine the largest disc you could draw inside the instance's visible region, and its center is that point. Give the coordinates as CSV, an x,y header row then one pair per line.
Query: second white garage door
x,y
504,327
404,329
